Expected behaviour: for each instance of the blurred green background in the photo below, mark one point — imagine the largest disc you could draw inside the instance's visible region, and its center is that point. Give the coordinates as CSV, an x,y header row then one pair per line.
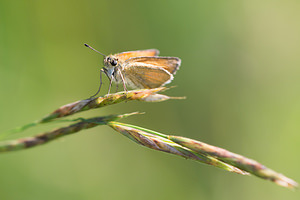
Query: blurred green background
x,y
240,72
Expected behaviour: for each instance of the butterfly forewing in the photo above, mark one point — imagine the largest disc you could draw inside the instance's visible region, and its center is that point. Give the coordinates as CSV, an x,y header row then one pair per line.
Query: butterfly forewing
x,y
140,53
141,75
171,64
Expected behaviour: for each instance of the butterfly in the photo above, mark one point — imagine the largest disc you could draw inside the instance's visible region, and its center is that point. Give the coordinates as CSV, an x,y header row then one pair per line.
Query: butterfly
x,y
139,69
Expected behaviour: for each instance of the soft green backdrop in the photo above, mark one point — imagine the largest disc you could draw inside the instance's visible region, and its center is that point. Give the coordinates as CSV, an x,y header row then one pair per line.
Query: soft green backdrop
x,y
240,72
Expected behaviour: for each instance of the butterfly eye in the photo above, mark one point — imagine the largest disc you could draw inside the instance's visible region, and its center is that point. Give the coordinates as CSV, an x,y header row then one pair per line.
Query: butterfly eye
x,y
113,62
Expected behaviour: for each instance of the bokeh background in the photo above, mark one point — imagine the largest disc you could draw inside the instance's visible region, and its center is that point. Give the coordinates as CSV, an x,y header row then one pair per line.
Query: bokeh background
x,y
240,72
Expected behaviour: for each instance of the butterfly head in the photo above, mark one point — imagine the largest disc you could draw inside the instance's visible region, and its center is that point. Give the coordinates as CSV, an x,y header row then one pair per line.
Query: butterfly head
x,y
111,61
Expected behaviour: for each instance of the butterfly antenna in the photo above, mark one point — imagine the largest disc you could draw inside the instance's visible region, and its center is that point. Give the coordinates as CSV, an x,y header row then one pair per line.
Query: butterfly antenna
x,y
94,49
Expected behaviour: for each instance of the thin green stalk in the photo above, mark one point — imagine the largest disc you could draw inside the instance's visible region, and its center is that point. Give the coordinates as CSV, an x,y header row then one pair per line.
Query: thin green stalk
x,y
43,138
202,152
159,142
147,95
241,162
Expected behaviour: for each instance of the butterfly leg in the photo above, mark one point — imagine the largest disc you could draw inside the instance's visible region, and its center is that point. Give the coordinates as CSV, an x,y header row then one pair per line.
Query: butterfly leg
x,y
110,83
123,80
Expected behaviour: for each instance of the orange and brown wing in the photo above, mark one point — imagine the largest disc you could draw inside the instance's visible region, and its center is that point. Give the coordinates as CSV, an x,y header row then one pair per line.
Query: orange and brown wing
x,y
130,54
140,75
171,64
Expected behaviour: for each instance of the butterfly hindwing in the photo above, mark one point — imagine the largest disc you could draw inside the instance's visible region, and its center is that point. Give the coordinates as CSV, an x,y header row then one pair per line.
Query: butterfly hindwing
x,y
171,64
141,75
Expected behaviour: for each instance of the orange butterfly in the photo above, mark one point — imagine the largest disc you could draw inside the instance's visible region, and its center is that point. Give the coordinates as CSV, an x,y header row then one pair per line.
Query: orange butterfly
x,y
139,69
